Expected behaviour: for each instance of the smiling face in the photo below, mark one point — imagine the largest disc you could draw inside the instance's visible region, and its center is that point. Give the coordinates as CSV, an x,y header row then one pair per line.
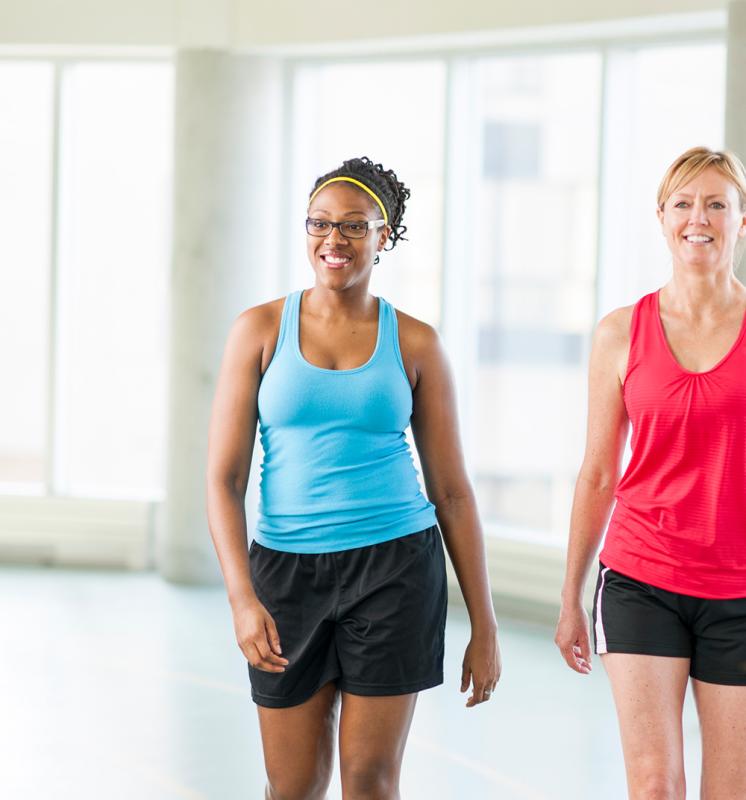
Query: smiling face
x,y
338,262
703,221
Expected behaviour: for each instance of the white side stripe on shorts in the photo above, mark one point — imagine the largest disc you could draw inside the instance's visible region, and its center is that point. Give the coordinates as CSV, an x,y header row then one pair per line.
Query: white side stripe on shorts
x,y
600,634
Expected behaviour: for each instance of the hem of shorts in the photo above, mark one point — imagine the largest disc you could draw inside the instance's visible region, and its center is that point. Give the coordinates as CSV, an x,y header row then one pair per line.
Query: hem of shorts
x,y
385,690
641,649
274,701
729,679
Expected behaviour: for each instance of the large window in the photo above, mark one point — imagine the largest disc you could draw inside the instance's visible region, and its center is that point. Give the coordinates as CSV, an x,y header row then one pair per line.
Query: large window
x,y
25,193
113,270
85,162
552,163
533,178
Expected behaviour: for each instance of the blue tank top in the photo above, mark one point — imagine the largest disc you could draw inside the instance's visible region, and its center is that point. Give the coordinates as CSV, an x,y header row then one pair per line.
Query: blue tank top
x,y
337,471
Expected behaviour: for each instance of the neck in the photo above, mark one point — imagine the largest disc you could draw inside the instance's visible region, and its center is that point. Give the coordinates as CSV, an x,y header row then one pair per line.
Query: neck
x,y
696,293
353,302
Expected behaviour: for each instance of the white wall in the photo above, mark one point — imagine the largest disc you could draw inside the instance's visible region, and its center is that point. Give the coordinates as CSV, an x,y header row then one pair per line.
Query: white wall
x,y
251,23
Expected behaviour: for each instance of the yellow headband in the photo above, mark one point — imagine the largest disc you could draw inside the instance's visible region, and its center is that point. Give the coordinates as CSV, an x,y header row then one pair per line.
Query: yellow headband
x,y
357,183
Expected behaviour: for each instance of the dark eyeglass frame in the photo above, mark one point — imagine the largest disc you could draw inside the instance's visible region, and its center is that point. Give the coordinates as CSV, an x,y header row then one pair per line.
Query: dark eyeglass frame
x,y
370,224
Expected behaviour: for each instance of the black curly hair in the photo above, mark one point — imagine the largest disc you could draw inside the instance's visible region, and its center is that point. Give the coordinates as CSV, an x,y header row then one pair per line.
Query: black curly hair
x,y
392,192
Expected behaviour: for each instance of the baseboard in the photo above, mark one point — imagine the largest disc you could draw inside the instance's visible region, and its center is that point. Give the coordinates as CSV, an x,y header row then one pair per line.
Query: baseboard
x,y
59,531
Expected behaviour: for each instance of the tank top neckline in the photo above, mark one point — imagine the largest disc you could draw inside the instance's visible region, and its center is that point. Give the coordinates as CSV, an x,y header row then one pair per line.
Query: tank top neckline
x,y
295,333
669,351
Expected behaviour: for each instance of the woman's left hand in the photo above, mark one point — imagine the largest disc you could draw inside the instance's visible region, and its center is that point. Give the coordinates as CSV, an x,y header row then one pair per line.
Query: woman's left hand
x,y
481,667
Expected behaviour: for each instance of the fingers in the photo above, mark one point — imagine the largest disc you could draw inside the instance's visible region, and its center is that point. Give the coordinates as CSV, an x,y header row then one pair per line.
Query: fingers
x,y
581,658
482,685
584,650
577,655
481,666
465,677
273,637
261,645
573,640
261,657
481,693
268,660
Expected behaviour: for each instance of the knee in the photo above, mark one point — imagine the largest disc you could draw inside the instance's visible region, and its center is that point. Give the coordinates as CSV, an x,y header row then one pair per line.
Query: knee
x,y
659,785
296,787
370,780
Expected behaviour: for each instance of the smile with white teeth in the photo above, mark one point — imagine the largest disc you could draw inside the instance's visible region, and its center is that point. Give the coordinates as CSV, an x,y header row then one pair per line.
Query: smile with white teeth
x,y
697,239
335,260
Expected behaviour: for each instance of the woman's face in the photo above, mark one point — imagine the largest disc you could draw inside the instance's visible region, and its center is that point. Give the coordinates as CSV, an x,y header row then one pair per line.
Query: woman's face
x,y
341,262
703,221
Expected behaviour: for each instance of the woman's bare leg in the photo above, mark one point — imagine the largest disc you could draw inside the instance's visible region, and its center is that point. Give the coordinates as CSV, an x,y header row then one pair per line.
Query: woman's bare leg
x,y
372,735
298,746
722,717
649,696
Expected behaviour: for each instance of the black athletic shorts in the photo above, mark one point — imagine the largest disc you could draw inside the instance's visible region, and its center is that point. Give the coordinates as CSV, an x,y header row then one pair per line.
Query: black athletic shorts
x,y
633,617
371,619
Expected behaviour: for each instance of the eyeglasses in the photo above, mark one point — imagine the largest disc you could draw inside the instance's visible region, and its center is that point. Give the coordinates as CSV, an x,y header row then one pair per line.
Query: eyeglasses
x,y
354,229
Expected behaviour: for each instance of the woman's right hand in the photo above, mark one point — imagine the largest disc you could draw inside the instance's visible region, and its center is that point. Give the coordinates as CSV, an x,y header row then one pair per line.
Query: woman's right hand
x,y
257,637
573,638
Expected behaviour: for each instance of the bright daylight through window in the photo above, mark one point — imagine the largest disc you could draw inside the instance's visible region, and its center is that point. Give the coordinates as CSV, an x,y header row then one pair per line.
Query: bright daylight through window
x,y
84,413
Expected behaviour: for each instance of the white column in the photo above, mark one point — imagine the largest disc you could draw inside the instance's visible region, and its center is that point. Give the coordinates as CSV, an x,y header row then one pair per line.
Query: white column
x,y
735,100
226,189
735,96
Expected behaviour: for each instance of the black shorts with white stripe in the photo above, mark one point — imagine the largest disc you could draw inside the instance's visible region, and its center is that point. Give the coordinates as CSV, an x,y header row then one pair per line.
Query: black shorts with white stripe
x,y
630,616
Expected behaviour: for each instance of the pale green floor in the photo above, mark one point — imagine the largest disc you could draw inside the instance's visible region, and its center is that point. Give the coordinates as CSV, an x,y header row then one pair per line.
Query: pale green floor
x,y
118,685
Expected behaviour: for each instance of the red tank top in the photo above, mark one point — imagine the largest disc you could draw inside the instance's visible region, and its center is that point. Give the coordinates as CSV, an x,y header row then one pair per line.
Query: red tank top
x,y
680,517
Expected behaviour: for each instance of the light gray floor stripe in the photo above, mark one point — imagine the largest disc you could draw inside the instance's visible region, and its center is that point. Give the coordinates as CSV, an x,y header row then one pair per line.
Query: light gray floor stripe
x,y
520,790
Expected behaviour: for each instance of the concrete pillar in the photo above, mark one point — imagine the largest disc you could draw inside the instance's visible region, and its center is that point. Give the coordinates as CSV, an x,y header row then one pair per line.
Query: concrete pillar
x,y
735,95
226,189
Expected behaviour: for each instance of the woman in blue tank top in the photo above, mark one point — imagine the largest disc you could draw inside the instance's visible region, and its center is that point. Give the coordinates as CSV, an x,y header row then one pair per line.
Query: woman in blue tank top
x,y
339,604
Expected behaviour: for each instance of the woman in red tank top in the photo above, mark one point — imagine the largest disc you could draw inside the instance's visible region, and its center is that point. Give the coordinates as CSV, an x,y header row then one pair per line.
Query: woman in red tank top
x,y
670,602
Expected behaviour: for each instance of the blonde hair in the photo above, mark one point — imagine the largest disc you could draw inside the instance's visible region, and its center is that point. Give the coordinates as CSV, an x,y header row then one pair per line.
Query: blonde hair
x,y
695,161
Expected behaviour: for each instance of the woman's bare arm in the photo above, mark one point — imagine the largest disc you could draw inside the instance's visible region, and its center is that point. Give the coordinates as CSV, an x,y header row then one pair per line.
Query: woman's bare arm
x,y
231,442
435,429
594,491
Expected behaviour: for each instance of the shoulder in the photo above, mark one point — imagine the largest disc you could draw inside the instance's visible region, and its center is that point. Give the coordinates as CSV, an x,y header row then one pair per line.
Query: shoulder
x,y
254,332
260,319
610,352
417,336
421,348
613,329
